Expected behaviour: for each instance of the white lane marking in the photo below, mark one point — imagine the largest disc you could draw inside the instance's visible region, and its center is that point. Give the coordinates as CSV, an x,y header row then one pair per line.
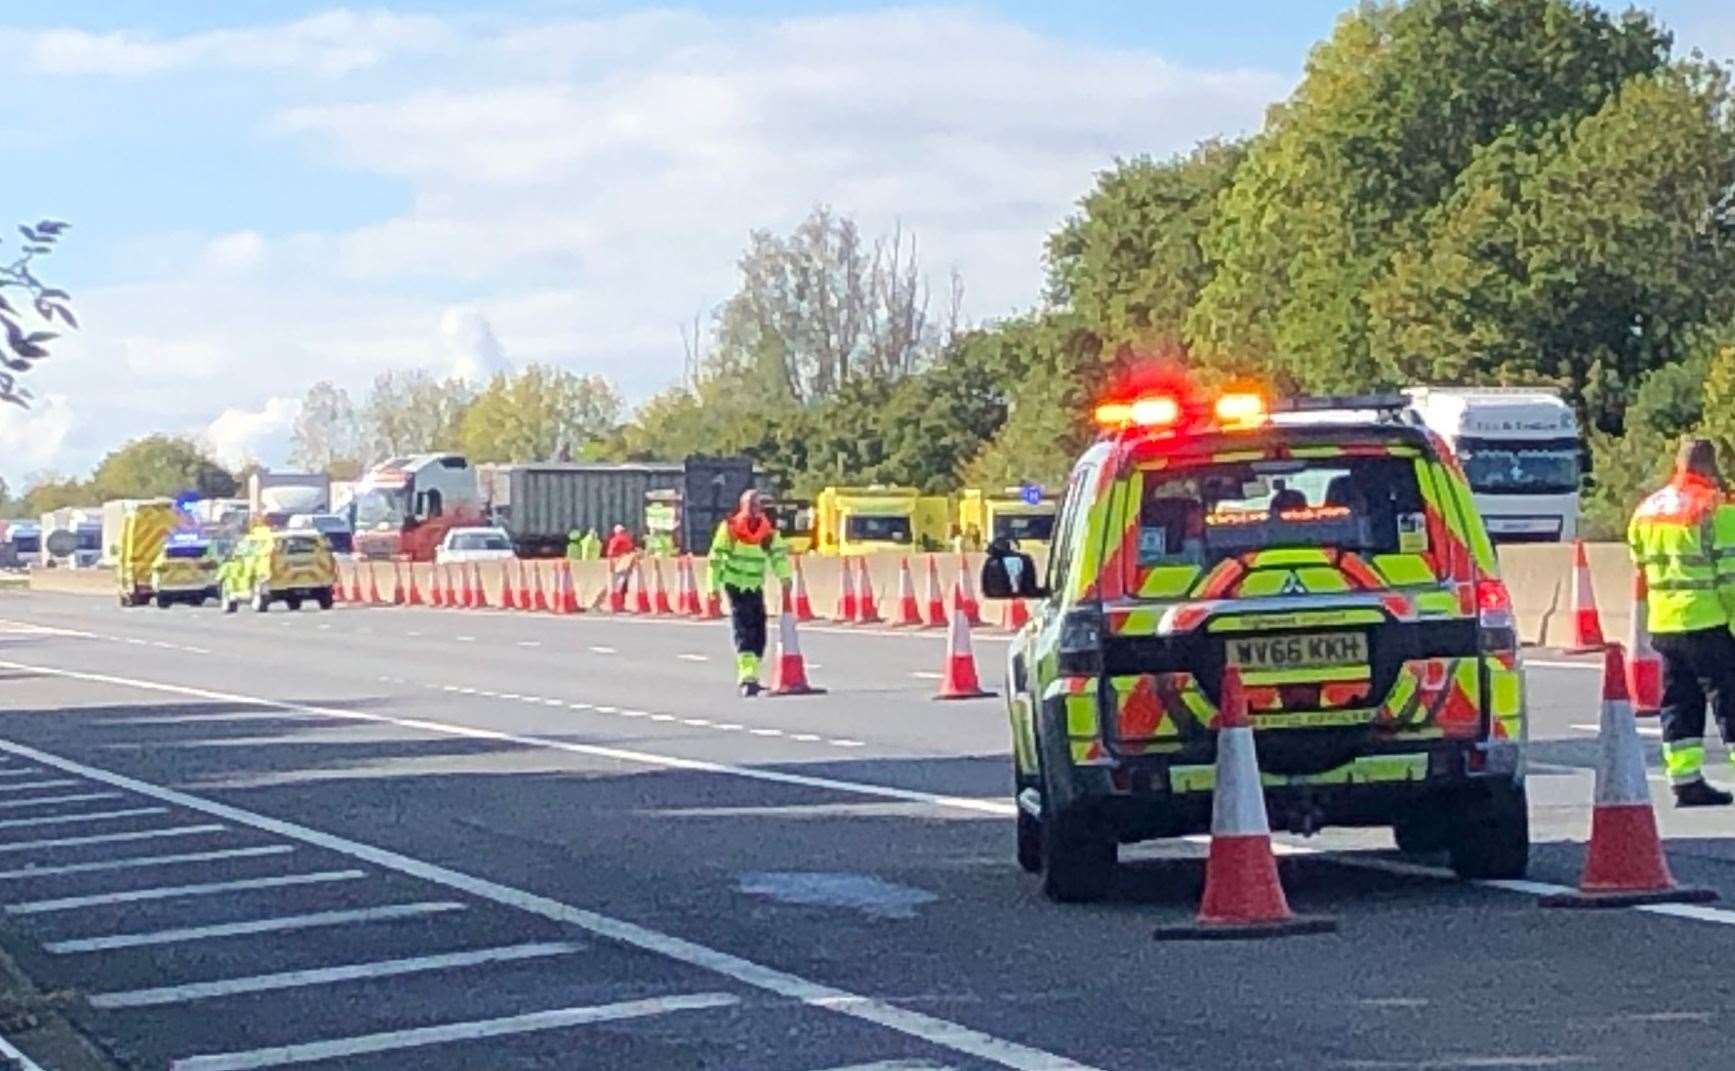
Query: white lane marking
x,y
18,1060
693,657
806,738
19,771
140,862
997,807
413,633
728,727
1643,730
109,838
465,639
170,892
395,1040
926,675
846,743
28,785
598,649
699,723
895,1065
74,819
940,1032
554,702
188,719
466,691
613,710
578,706
530,643
766,732
387,968
135,643
624,713
277,924
80,797
662,717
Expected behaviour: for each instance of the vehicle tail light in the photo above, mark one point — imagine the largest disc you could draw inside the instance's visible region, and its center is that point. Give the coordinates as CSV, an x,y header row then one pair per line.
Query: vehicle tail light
x,y
1080,648
1494,614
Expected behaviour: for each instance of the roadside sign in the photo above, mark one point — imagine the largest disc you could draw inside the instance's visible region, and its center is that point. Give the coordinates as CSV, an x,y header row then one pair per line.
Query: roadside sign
x,y
1031,493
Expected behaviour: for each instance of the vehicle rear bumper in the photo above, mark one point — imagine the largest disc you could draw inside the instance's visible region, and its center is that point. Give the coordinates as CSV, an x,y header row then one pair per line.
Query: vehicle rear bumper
x,y
1149,797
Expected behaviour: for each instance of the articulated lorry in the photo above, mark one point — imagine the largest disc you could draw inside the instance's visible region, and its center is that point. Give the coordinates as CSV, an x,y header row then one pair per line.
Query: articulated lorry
x,y
405,506
1520,448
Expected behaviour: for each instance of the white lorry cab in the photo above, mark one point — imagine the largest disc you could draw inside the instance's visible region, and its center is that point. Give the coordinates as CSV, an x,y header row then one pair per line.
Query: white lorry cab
x,y
1520,448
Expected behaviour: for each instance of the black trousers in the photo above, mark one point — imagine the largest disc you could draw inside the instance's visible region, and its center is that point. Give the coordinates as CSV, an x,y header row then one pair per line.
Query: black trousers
x,y
747,615
1698,669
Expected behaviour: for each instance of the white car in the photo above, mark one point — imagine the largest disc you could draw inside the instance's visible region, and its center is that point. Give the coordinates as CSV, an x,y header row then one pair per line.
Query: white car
x,y
474,545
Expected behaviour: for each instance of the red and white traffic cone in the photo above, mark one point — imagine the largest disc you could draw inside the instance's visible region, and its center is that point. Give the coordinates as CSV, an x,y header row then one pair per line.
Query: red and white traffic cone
x,y
1645,666
789,672
436,593
398,597
936,600
481,586
338,594
965,594
846,608
466,593
565,589
660,594
1017,615
1586,622
713,605
355,594
909,615
415,598
508,601
959,680
538,593
867,609
524,600
1243,896
454,596
687,604
1624,863
641,595
803,604
373,587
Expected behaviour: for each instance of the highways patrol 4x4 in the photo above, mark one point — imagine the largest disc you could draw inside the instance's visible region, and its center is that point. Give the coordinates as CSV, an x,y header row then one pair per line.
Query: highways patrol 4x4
x,y
1329,551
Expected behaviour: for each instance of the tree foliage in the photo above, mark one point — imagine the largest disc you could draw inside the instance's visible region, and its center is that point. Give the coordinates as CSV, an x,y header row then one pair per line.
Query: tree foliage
x,y
328,430
411,412
159,466
538,414
28,314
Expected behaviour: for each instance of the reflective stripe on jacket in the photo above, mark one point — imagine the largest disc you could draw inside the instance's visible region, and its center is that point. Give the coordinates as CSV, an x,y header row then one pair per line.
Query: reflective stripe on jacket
x,y
740,563
1683,537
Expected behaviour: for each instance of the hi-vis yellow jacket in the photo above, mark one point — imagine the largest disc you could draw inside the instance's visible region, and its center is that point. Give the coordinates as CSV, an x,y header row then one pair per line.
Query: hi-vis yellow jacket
x,y
1683,537
741,550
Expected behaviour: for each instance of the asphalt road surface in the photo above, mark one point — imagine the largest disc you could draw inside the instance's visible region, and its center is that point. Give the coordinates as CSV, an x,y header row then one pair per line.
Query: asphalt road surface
x,y
405,838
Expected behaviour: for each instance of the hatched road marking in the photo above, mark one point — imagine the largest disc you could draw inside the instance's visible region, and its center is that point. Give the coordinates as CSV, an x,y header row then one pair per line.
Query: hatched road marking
x,y
386,913
109,838
73,819
936,1031
170,892
144,861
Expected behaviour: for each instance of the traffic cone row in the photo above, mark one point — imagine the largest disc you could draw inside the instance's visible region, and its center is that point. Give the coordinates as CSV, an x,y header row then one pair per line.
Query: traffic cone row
x,y
867,610
1243,896
1586,622
1624,863
909,615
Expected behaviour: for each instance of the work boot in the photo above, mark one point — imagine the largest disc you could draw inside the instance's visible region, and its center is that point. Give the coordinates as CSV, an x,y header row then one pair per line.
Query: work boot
x,y
749,689
1700,794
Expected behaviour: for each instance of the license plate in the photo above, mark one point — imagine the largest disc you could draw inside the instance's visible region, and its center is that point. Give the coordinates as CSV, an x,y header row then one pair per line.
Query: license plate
x,y
1304,650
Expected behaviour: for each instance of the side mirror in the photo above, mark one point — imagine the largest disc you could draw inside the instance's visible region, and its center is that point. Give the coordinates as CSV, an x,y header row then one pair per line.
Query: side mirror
x,y
1010,574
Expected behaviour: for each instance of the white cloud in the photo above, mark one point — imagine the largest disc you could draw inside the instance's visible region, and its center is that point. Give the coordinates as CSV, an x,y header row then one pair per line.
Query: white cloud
x,y
240,436
32,439
577,189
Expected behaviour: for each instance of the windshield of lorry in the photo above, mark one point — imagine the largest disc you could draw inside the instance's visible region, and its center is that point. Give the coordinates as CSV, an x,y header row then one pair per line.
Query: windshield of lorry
x,y
1520,467
89,538
1201,515
1019,527
28,542
870,529
480,541
382,507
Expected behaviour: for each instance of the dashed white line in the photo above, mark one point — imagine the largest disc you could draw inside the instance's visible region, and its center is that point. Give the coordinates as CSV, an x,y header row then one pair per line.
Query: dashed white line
x,y
698,723
728,726
846,743
19,771
613,710
598,649
261,983
77,797
529,643
395,1040
74,819
766,732
141,862
108,838
171,892
465,639
553,702
28,786
806,738
578,706
662,717
386,913
926,675
693,657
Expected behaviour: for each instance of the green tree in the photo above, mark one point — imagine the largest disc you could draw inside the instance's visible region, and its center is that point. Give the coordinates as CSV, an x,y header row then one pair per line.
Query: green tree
x,y
1129,262
160,466
1668,404
539,414
413,413
1392,108
327,431
45,492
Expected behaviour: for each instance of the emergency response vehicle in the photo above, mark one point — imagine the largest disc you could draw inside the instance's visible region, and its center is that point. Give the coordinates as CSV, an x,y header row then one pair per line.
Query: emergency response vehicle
x,y
145,531
270,566
1333,556
185,570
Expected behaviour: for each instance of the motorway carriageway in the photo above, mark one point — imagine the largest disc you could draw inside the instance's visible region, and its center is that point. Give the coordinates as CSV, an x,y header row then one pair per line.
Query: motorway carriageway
x,y
418,838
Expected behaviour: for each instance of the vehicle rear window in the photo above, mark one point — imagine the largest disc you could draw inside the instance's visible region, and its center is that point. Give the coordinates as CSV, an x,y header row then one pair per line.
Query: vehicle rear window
x,y
299,544
880,529
480,541
1202,514
1022,526
185,550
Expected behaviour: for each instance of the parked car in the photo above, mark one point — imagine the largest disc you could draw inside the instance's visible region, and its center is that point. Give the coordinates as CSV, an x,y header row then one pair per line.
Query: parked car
x,y
474,545
334,528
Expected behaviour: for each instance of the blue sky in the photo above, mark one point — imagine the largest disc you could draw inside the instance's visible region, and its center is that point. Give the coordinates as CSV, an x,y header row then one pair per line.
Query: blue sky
x,y
270,192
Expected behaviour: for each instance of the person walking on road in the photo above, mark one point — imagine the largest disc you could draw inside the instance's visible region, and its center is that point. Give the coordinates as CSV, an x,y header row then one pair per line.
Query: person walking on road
x,y
745,544
1683,537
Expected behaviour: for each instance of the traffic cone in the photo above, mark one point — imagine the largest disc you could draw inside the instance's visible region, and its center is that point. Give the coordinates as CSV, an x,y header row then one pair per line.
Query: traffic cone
x,y
454,598
713,605
1645,666
846,608
1243,896
355,583
415,598
508,601
436,594
538,595
789,673
1624,862
337,592
965,594
466,593
959,680
661,589
373,587
1017,615
803,605
524,600
1586,623
617,589
567,600
867,611
641,595
909,614
936,601
687,598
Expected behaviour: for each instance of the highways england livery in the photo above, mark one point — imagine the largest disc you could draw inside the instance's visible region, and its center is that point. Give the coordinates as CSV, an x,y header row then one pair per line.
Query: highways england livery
x,y
1333,555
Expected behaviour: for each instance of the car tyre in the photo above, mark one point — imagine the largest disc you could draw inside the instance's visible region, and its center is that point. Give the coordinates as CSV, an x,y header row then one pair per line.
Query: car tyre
x,y
294,602
163,602
1029,843
1491,839
1423,831
1077,860
324,599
